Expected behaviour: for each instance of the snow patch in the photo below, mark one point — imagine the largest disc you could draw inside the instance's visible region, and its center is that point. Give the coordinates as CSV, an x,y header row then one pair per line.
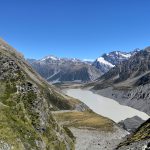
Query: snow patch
x,y
50,57
103,61
125,55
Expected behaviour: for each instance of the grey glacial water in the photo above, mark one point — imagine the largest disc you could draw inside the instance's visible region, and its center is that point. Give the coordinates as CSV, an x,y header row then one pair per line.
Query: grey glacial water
x,y
105,106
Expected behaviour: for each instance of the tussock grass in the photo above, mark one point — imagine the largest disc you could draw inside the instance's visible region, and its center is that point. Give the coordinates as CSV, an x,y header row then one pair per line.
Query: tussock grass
x,y
84,119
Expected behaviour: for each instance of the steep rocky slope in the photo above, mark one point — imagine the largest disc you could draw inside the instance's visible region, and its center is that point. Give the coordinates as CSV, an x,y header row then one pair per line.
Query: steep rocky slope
x,y
128,82
55,69
26,99
138,140
102,64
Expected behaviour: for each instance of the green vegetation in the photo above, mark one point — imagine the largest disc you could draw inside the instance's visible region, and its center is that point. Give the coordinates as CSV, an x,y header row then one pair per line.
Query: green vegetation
x,y
26,121
142,133
60,102
70,134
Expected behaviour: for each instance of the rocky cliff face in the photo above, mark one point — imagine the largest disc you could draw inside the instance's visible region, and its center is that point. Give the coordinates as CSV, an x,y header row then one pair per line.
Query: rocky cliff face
x,y
25,104
102,64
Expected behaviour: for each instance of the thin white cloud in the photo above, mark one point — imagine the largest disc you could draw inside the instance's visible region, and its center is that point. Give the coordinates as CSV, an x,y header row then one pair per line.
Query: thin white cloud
x,y
88,60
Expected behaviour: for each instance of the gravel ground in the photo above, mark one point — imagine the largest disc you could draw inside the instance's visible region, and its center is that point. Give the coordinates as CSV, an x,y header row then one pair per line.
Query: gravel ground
x,y
97,140
136,146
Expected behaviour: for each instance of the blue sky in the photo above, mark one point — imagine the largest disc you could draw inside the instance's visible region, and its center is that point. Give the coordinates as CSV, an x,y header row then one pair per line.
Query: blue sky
x,y
75,28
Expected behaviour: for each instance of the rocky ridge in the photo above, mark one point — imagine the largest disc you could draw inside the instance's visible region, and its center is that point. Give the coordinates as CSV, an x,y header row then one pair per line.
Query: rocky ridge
x,y
56,70
110,60
129,81
25,104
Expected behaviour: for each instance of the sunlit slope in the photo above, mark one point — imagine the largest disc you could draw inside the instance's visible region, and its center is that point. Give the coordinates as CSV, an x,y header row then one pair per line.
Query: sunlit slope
x,y
26,99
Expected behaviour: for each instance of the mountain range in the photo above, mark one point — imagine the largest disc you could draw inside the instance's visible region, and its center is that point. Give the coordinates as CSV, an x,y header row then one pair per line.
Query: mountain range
x,y
110,60
31,110
55,69
37,115
129,81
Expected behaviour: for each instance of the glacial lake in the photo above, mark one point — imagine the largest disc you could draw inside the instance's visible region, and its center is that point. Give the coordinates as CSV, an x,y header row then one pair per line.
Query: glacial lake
x,y
105,106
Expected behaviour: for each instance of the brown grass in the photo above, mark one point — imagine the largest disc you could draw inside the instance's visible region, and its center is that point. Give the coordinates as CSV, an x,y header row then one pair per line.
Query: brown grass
x,y
84,120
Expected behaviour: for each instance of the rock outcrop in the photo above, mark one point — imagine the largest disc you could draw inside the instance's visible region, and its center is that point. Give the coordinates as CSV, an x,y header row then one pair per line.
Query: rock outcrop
x,y
26,99
131,124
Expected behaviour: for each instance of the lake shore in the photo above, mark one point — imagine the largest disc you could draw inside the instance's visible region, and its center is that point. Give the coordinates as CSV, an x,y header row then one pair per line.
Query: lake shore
x,y
105,106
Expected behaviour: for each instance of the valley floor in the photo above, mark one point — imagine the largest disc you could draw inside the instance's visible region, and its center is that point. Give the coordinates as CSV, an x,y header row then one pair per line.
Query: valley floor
x,y
97,140
91,131
95,132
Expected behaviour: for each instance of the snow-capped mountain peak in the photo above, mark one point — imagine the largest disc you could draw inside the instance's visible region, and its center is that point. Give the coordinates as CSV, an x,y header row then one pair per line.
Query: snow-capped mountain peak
x,y
103,61
49,57
54,58
56,69
102,64
109,60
